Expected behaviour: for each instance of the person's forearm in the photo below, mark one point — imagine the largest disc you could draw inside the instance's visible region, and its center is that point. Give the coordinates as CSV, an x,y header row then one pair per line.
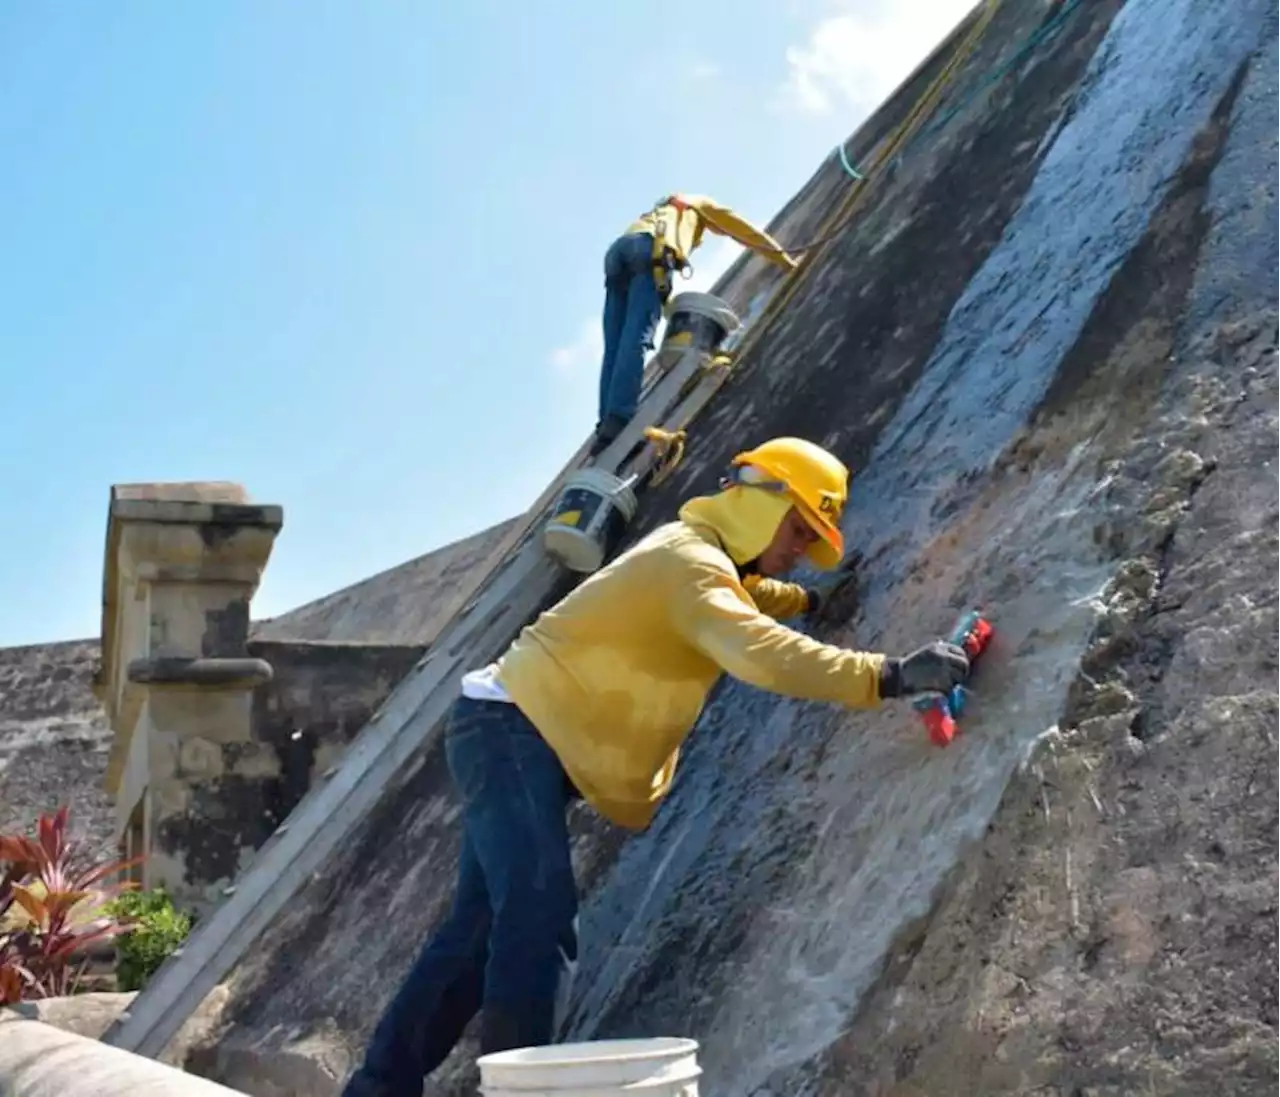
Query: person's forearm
x,y
774,657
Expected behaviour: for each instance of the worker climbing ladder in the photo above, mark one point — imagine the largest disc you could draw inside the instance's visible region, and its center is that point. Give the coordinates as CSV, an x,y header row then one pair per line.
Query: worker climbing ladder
x,y
517,578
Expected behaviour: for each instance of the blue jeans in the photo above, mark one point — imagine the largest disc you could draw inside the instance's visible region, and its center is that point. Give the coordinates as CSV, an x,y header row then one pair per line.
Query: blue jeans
x,y
511,931
632,308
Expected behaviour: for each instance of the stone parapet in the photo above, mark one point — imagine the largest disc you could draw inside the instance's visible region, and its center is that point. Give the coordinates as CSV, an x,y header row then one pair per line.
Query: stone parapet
x,y
176,679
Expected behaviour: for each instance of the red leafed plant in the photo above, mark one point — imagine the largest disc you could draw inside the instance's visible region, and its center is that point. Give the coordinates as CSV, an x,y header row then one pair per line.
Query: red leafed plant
x,y
60,894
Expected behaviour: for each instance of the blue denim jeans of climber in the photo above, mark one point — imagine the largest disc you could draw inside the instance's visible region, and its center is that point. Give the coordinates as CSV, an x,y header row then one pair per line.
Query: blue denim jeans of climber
x,y
632,309
511,933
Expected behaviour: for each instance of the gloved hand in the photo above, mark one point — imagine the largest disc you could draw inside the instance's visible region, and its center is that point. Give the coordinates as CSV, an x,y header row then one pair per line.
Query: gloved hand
x,y
934,668
833,596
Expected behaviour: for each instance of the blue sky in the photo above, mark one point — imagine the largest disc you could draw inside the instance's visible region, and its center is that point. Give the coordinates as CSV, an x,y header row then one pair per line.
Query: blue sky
x,y
349,254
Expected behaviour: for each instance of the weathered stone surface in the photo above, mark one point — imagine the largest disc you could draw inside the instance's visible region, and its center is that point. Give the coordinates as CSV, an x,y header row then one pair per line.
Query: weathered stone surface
x,y
90,1015
403,605
322,695
244,760
1116,928
84,1014
54,741
39,1060
200,759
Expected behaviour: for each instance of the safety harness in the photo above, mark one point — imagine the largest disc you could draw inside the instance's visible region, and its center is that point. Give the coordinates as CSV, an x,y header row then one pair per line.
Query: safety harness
x,y
667,260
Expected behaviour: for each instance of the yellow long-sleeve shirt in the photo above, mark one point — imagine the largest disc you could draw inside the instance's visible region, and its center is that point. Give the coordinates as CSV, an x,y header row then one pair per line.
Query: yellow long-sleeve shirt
x,y
616,674
679,224
779,600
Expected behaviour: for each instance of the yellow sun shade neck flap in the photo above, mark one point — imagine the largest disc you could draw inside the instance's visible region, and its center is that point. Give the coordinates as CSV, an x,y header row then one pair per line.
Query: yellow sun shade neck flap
x,y
744,518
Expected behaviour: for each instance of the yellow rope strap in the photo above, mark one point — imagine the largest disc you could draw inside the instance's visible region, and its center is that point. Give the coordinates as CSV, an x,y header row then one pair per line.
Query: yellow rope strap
x,y
669,445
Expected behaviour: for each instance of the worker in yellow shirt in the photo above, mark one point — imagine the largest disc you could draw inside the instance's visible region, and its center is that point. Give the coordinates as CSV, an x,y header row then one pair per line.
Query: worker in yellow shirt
x,y
594,700
638,271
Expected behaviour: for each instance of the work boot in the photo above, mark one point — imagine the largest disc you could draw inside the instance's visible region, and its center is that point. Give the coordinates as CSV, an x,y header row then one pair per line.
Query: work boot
x,y
606,431
598,445
504,1031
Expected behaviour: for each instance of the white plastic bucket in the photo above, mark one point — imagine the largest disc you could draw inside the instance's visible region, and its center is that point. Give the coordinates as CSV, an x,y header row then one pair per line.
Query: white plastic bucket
x,y
662,1066
593,509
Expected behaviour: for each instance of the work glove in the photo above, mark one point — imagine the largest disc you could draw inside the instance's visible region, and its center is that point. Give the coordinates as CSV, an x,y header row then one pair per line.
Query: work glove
x,y
833,596
934,668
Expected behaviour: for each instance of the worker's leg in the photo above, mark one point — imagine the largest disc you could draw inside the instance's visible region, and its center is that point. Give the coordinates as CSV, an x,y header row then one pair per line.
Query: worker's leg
x,y
643,311
515,886
616,276
439,996
514,793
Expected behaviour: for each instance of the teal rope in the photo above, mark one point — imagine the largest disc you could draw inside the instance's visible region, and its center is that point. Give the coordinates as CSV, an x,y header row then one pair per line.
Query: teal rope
x,y
854,173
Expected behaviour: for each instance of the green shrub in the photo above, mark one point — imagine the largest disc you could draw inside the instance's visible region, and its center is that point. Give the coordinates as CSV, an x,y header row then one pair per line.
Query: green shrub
x,y
158,929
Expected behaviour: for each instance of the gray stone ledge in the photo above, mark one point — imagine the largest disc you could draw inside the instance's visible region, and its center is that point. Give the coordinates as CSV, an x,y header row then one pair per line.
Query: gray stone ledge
x,y
183,671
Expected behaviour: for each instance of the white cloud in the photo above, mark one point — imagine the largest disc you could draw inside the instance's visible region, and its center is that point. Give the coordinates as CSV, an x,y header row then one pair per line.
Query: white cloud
x,y
854,59
704,70
581,354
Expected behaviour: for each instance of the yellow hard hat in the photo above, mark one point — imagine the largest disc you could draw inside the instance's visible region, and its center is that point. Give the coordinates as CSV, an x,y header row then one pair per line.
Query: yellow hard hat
x,y
816,482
